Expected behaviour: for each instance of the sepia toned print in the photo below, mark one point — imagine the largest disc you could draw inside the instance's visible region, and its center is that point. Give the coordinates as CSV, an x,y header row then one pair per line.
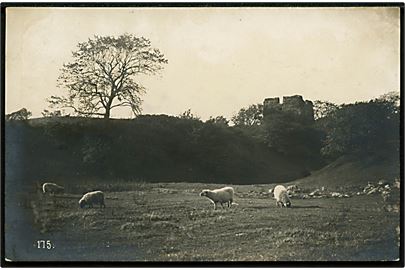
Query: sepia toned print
x,y
202,134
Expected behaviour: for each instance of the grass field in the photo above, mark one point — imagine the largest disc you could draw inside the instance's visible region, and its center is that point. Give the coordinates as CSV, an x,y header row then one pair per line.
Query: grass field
x,y
171,222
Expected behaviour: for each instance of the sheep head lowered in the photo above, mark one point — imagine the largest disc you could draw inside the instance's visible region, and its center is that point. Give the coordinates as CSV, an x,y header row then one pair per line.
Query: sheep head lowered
x,y
205,193
222,195
286,201
281,196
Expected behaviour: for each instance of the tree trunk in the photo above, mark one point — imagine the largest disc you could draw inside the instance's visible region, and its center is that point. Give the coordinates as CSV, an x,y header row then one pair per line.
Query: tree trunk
x,y
109,103
107,113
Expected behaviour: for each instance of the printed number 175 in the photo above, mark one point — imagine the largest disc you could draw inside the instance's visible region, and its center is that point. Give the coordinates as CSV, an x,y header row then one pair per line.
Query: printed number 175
x,y
44,244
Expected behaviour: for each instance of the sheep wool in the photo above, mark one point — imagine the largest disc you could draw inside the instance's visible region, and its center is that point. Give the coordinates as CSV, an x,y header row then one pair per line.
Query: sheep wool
x,y
90,198
51,188
281,196
222,195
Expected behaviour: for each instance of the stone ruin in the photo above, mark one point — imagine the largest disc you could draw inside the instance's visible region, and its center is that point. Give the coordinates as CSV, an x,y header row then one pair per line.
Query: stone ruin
x,y
296,105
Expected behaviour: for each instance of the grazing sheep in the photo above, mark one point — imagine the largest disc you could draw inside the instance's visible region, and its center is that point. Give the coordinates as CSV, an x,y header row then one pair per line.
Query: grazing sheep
x,y
52,188
90,198
280,193
222,195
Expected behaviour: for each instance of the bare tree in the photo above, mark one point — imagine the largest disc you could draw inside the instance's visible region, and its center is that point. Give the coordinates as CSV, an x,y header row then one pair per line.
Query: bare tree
x,y
101,75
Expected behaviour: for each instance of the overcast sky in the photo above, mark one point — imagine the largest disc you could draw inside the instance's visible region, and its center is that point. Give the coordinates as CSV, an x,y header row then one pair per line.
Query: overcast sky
x,y
220,59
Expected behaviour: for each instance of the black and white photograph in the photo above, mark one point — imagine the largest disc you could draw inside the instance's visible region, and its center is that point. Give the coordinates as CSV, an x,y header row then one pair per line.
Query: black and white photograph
x,y
202,133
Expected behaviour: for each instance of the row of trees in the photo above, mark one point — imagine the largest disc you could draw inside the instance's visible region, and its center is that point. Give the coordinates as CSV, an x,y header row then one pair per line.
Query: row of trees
x,y
161,147
338,129
149,147
361,128
357,128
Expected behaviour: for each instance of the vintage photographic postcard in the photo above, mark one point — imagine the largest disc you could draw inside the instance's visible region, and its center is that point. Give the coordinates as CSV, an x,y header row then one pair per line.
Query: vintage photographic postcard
x,y
185,133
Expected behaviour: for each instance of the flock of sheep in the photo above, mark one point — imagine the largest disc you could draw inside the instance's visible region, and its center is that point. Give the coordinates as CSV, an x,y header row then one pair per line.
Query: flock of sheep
x,y
88,199
222,196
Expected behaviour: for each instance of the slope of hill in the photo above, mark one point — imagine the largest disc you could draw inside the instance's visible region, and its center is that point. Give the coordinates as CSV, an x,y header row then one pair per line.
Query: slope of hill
x,y
354,171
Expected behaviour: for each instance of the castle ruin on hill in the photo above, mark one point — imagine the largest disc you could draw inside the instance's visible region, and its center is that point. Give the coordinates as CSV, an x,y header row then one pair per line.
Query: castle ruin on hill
x,y
296,105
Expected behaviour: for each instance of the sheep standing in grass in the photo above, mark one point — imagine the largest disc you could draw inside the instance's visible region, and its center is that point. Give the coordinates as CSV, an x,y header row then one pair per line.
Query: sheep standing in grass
x,y
222,195
90,198
52,188
281,196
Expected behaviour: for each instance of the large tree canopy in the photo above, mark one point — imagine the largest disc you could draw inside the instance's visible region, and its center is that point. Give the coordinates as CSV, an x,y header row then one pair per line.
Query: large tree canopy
x,y
362,127
102,74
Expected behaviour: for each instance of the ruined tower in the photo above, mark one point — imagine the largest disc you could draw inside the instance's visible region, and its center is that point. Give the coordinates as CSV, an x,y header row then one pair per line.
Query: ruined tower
x,y
296,105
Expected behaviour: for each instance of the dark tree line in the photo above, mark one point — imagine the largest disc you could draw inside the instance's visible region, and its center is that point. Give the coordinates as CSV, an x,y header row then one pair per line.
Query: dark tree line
x,y
361,128
147,148
349,129
184,148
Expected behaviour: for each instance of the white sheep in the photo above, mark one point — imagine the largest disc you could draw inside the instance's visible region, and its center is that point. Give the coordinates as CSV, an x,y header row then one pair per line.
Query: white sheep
x,y
281,196
222,195
52,188
90,198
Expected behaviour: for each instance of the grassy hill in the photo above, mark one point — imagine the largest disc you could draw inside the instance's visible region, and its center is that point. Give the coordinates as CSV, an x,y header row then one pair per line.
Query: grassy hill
x,y
353,170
